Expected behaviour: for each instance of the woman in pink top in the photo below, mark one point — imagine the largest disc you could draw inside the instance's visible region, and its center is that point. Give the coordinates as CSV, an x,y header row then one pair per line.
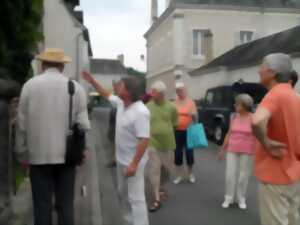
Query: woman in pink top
x,y
239,145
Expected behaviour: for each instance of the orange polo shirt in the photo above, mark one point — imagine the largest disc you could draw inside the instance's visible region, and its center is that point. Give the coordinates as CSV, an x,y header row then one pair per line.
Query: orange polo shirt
x,y
185,109
284,126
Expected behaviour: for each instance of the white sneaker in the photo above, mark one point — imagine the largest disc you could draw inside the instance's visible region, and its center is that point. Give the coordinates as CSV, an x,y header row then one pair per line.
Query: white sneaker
x,y
177,180
192,178
242,204
228,201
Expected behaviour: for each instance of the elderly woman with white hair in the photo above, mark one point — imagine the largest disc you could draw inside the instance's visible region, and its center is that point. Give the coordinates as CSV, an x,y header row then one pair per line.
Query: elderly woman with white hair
x,y
162,140
187,113
239,146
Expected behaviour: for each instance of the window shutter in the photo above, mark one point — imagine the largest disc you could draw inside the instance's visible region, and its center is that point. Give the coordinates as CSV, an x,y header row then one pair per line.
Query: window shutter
x,y
207,45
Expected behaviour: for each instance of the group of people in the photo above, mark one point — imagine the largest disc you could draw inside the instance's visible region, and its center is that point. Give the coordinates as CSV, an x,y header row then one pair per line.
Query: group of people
x,y
271,136
166,126
152,136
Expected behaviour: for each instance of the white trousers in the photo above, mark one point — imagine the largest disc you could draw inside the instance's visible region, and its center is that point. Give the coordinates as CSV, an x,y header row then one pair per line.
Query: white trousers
x,y
132,196
238,171
279,204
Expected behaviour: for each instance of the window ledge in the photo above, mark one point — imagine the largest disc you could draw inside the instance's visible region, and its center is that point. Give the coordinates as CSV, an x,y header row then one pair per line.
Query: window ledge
x,y
198,57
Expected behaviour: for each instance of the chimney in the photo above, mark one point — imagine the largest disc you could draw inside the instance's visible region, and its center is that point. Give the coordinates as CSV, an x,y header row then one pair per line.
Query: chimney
x,y
154,10
168,3
121,58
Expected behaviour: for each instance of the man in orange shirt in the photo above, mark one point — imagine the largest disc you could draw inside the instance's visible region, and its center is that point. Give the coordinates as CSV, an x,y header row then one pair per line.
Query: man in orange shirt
x,y
277,159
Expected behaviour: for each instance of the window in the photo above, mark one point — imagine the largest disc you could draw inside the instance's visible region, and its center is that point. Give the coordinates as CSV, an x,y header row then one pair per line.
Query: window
x,y
197,42
218,97
246,36
202,44
209,97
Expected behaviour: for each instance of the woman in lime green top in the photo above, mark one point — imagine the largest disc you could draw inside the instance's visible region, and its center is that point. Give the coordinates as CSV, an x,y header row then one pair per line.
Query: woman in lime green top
x,y
162,139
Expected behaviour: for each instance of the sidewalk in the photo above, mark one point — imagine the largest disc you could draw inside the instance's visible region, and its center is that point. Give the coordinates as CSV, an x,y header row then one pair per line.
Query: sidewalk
x,y
22,206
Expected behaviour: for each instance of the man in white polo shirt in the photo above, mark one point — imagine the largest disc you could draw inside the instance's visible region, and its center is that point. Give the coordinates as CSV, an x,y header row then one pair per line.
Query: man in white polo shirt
x,y
132,137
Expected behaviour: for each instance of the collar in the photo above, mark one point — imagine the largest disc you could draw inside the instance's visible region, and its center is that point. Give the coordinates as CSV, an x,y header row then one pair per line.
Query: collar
x,y
282,85
52,71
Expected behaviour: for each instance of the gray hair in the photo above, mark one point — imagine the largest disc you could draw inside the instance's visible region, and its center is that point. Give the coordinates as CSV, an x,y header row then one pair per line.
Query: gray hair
x,y
159,86
134,87
245,100
281,64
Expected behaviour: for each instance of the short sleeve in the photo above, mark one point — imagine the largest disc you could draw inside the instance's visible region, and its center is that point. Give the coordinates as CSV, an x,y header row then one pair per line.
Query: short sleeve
x,y
270,103
81,113
142,124
193,107
115,101
174,116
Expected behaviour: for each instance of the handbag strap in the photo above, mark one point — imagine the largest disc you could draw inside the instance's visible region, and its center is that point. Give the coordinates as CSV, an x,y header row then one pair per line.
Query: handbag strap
x,y
71,90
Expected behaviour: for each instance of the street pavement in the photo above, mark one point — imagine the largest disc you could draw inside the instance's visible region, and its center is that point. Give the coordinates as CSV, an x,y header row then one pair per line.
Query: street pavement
x,y
200,203
188,204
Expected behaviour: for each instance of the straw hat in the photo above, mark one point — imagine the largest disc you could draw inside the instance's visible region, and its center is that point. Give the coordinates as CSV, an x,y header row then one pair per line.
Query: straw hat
x,y
54,55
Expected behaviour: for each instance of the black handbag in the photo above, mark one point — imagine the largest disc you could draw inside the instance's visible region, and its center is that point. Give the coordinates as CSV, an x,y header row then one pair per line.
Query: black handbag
x,y
76,139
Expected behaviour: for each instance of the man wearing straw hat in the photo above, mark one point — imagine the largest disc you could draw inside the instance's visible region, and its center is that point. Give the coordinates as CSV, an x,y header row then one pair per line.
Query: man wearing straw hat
x,y
41,139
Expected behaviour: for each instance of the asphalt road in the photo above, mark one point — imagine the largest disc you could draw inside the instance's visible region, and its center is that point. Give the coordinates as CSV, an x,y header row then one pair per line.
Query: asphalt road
x,y
200,203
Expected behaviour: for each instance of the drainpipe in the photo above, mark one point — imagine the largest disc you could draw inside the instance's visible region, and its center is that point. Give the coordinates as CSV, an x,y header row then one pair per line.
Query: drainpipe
x,y
77,55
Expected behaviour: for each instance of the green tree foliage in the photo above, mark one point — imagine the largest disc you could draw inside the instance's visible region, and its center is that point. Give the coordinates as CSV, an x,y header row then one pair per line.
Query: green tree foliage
x,y
20,32
140,75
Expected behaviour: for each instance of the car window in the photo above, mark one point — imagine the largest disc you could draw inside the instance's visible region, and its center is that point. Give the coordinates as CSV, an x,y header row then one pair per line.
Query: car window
x,y
218,96
209,97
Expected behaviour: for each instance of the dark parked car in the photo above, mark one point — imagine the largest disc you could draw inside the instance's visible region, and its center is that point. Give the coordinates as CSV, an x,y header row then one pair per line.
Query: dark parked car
x,y
95,100
216,108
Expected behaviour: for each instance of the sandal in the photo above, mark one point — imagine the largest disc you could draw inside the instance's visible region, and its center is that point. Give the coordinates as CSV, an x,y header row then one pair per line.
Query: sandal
x,y
156,206
163,195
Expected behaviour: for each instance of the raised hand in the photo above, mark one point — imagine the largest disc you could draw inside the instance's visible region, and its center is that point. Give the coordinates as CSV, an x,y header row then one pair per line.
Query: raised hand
x,y
87,76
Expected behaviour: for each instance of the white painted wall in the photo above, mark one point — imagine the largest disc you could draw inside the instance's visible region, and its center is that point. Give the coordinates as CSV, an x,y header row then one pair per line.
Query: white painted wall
x,y
198,85
61,30
225,26
160,53
107,79
171,42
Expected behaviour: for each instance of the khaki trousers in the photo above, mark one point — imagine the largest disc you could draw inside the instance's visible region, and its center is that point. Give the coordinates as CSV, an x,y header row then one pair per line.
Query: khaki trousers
x,y
279,204
159,160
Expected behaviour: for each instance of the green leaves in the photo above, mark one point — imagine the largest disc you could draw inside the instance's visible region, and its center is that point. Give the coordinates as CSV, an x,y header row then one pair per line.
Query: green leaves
x,y
20,32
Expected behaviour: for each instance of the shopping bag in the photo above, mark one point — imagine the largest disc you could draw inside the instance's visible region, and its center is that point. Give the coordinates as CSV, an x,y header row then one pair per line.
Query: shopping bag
x,y
196,137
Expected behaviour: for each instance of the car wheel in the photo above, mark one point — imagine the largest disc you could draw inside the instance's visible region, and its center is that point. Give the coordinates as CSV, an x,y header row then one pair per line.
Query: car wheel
x,y
219,134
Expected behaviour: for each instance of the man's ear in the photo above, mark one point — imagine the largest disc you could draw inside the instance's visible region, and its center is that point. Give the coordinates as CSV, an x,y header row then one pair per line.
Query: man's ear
x,y
61,68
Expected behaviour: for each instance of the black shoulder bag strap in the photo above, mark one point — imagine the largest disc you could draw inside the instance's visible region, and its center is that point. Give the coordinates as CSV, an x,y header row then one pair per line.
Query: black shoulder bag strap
x,y
71,90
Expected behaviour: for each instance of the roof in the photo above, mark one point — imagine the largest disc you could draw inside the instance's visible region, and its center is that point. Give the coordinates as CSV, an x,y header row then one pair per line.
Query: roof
x,y
73,3
77,16
252,53
107,67
86,36
285,6
249,3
